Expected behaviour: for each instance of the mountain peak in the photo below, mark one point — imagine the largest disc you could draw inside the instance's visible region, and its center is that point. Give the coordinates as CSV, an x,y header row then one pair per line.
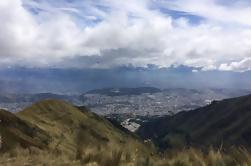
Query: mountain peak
x,y
72,129
49,106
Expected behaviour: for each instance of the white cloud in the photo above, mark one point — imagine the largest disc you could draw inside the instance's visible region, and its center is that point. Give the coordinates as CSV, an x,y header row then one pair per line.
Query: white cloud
x,y
238,13
60,31
242,65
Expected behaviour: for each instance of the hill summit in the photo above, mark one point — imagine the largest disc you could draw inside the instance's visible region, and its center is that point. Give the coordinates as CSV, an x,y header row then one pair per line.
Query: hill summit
x,y
61,128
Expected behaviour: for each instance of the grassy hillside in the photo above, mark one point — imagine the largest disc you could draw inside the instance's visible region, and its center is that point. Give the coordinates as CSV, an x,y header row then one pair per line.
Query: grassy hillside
x,y
64,130
16,132
222,123
184,157
53,132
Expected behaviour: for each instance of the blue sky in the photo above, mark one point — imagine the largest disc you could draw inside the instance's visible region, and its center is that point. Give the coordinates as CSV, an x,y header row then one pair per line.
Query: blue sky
x,y
210,34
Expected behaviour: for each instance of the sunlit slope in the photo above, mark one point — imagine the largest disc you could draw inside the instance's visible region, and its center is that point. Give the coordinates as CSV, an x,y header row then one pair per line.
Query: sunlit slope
x,y
16,132
76,132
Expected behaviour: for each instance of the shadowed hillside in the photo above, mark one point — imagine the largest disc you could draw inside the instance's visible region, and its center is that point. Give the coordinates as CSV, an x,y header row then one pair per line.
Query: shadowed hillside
x,y
222,123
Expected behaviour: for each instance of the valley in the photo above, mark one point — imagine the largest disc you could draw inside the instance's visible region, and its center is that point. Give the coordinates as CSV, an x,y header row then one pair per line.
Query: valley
x,y
141,101
129,106
73,135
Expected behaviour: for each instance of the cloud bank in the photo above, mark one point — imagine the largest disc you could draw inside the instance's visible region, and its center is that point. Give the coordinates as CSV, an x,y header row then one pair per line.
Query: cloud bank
x,y
212,34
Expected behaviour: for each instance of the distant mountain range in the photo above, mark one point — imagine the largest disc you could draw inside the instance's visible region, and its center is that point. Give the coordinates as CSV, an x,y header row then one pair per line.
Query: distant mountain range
x,y
143,101
220,124
15,98
77,80
124,91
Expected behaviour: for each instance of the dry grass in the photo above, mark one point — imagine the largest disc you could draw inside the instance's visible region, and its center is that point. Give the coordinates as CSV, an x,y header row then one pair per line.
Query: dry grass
x,y
186,157
36,157
195,157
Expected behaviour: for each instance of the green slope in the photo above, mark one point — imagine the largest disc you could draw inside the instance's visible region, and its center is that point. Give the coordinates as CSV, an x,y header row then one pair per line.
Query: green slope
x,y
222,123
75,132
16,132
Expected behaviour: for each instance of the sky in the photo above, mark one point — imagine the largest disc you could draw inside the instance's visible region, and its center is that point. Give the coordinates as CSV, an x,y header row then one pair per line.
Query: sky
x,y
209,34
